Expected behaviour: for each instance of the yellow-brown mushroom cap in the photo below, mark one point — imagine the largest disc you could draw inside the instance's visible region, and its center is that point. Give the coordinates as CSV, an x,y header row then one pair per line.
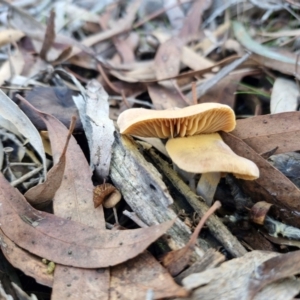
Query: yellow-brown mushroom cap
x,y
191,120
206,153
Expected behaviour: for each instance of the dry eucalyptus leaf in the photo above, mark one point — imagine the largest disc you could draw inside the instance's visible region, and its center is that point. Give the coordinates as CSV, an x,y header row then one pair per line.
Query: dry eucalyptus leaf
x,y
29,264
99,128
12,113
43,194
133,279
168,56
79,283
117,27
73,201
68,242
210,259
170,95
23,21
224,90
282,241
267,132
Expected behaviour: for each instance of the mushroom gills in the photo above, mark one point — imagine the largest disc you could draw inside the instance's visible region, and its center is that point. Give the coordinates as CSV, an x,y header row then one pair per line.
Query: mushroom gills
x,y
194,119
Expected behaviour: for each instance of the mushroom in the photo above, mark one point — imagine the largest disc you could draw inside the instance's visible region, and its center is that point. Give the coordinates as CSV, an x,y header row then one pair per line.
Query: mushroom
x,y
107,195
187,129
209,155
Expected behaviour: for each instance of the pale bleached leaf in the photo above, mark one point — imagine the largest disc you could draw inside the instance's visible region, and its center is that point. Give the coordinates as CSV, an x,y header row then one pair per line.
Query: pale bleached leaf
x,y
94,113
4,123
284,96
12,67
12,113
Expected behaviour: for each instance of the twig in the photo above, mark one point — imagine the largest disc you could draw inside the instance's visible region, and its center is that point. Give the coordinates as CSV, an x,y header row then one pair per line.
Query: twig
x,y
133,100
26,176
133,216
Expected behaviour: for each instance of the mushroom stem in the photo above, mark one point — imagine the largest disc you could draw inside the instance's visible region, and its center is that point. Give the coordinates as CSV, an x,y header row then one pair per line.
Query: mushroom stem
x,y
207,186
186,176
116,215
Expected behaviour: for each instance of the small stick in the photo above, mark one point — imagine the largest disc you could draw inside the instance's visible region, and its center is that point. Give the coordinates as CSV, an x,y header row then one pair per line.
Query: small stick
x,y
124,99
14,164
26,176
133,216
133,100
196,232
109,83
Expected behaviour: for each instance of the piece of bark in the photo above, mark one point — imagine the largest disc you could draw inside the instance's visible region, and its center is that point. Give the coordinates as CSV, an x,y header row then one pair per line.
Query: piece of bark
x,y
211,259
231,280
143,189
216,227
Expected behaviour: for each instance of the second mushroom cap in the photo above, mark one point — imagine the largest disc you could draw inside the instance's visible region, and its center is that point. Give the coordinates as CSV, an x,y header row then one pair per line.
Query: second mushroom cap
x,y
208,153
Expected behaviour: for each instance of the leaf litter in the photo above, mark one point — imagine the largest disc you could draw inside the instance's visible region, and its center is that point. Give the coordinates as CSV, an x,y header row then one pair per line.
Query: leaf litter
x,y
161,56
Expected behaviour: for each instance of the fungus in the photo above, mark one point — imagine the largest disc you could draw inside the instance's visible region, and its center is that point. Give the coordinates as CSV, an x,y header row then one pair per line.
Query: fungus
x,y
107,195
209,155
188,121
193,145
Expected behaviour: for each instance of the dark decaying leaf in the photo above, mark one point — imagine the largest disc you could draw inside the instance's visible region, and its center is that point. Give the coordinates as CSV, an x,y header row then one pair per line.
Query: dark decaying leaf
x,y
288,164
282,241
56,101
266,132
67,242
259,211
272,186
